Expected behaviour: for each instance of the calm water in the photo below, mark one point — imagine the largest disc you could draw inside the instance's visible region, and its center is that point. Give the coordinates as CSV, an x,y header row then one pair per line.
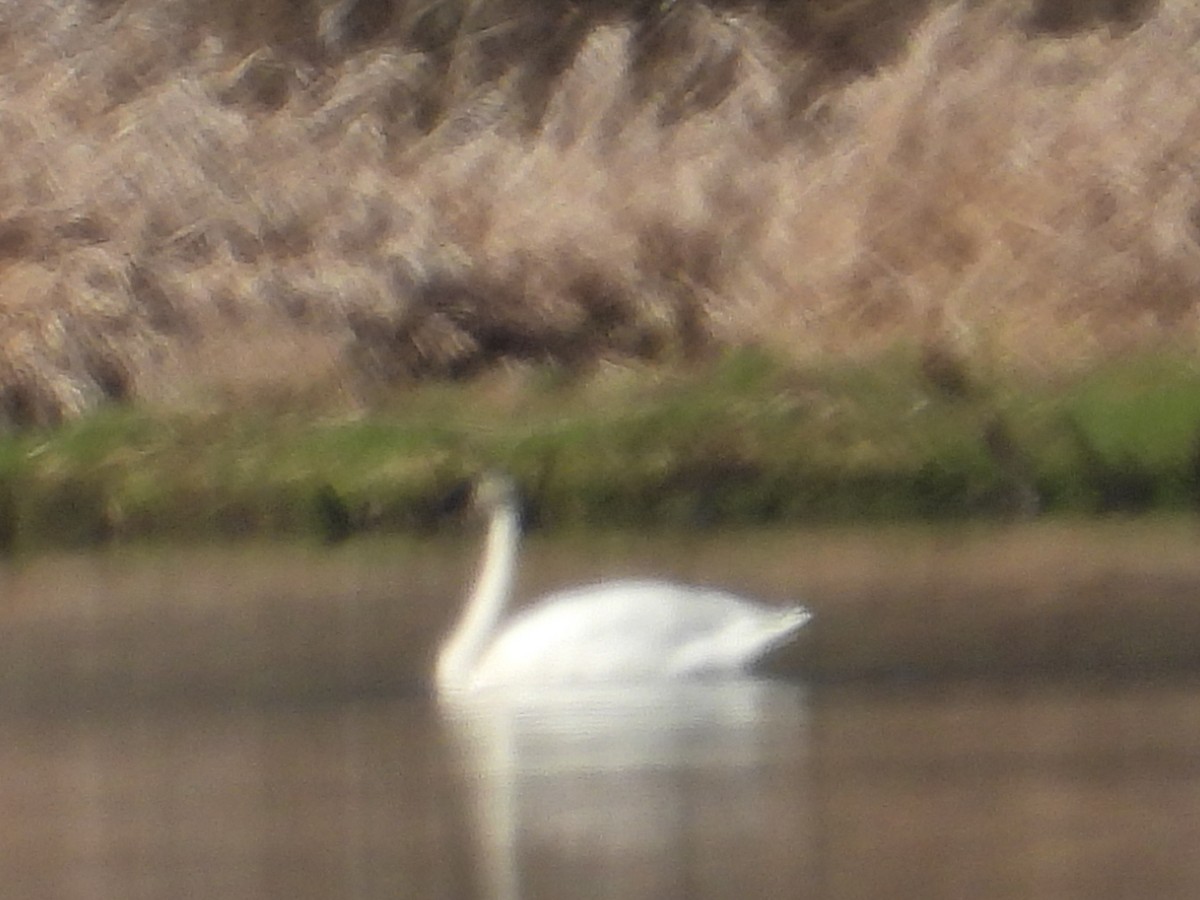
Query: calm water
x,y
239,727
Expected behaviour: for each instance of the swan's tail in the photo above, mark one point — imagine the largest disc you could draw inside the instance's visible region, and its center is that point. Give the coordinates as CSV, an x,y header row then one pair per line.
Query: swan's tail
x,y
782,625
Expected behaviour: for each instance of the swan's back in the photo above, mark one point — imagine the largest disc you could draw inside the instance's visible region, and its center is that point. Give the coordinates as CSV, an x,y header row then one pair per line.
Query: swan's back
x,y
633,631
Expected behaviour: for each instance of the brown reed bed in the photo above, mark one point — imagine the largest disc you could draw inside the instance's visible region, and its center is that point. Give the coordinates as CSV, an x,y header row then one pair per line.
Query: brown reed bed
x,y
336,200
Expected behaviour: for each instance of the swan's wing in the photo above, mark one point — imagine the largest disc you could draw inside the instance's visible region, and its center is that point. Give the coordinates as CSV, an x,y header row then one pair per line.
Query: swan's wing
x,y
633,631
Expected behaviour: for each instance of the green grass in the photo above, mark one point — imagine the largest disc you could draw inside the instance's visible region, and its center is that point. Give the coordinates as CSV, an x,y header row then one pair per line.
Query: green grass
x,y
745,440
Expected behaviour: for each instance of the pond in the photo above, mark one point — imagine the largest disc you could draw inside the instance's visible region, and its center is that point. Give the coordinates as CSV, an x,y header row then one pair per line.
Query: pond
x,y
256,723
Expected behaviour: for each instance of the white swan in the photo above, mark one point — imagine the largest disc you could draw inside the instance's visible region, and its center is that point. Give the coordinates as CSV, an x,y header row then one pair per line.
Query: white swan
x,y
612,632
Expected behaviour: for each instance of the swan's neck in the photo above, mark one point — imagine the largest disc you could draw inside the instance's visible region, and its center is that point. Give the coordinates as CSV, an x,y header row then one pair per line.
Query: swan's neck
x,y
477,625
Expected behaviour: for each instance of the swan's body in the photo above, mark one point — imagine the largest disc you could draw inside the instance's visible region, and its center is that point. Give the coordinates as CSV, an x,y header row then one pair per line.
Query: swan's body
x,y
631,631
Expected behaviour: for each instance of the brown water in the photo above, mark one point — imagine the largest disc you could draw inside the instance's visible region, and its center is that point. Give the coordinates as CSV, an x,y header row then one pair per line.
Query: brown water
x,y
241,725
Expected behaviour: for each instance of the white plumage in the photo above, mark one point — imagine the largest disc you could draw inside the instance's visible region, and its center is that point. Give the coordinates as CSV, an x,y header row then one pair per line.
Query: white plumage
x,y
608,633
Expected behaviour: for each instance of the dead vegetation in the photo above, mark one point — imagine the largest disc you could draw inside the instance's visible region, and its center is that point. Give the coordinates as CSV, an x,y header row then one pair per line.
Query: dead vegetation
x,y
332,197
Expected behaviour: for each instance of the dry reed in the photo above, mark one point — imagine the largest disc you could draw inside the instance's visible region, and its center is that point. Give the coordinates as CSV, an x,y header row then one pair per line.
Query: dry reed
x,y
337,196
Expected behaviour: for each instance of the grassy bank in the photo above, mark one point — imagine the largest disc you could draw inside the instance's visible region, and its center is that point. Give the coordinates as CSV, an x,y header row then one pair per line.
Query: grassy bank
x,y
746,440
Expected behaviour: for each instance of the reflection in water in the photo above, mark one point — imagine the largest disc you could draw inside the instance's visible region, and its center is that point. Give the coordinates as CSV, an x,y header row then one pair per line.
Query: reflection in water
x,y
206,729
674,790
363,800
993,794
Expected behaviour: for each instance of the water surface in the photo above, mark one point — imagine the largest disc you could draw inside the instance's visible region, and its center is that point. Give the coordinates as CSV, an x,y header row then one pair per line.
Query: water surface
x,y
249,725
974,792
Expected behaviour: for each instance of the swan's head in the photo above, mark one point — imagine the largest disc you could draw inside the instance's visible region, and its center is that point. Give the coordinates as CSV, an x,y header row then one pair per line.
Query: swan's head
x,y
482,495
494,491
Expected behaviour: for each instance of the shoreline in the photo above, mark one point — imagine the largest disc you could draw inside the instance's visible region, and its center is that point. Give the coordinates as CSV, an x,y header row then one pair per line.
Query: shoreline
x,y
743,441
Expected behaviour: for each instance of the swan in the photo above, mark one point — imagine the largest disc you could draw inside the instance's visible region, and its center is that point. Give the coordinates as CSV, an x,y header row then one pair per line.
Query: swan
x,y
607,633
